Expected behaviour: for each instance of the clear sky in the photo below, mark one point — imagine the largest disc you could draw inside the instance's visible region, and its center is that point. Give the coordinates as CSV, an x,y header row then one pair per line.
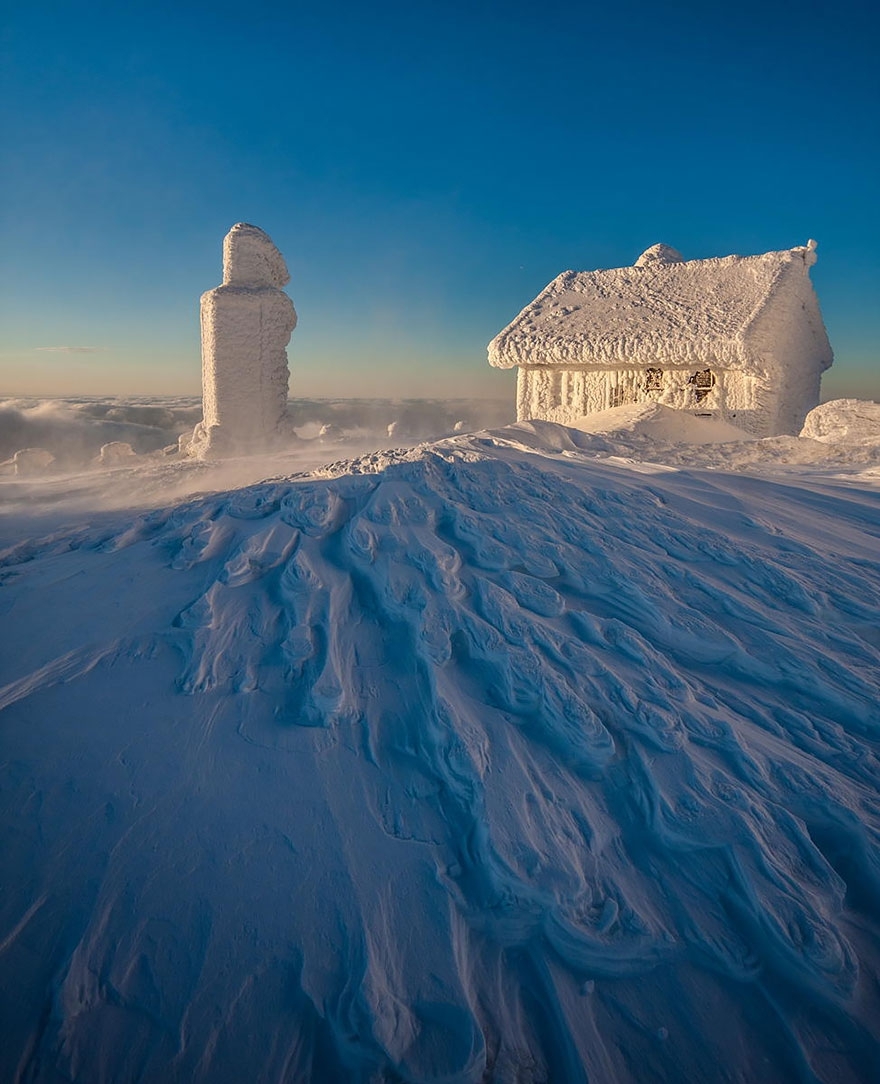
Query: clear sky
x,y
426,168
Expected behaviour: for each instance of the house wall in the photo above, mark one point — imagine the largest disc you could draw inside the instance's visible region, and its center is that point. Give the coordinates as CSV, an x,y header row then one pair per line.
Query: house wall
x,y
564,395
559,395
789,338
748,403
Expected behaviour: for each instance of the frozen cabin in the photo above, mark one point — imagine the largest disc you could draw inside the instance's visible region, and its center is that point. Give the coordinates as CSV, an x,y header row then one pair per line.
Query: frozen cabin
x,y
246,326
736,337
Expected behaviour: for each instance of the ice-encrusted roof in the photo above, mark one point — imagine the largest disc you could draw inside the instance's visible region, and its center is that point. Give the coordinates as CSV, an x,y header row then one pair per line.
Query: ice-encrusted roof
x,y
662,309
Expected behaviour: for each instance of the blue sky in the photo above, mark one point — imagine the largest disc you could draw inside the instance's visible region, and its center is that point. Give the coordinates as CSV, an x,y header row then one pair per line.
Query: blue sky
x,y
425,168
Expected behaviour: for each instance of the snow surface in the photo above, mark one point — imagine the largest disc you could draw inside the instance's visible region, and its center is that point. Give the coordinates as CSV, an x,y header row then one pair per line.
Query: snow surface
x,y
661,422
527,755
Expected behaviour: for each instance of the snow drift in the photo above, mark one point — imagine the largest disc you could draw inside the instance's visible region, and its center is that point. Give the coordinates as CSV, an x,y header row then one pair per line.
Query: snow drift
x,y
844,421
487,760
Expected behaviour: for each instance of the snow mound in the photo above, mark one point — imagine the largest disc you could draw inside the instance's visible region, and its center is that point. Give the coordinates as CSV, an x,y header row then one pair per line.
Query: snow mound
x,y
844,421
659,254
117,451
464,763
631,436
662,423
28,461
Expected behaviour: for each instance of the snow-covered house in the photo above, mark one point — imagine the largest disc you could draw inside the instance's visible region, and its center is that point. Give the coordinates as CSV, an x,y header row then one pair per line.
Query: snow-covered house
x,y
735,337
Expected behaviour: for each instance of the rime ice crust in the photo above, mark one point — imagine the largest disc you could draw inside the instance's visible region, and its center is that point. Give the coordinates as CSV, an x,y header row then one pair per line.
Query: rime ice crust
x,y
851,421
246,326
251,259
659,254
593,340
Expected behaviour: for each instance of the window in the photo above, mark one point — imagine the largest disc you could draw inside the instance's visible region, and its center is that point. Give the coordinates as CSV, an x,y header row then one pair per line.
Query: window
x,y
653,380
702,382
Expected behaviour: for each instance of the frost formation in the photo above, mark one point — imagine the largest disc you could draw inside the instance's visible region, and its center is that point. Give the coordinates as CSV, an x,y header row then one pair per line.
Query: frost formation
x,y
736,338
246,326
854,421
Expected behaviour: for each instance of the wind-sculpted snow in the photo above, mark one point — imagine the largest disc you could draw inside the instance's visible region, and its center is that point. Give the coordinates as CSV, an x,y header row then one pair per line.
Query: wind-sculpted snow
x,y
463,763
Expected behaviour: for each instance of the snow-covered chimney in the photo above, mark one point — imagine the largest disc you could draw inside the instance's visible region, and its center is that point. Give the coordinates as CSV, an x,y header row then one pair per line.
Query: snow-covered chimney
x,y
250,259
810,256
659,254
246,326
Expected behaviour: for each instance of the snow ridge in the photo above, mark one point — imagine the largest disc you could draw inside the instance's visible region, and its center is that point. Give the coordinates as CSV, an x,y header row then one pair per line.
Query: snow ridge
x,y
490,764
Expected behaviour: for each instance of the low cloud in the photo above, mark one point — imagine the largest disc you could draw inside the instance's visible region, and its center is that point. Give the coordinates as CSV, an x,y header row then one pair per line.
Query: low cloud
x,y
74,430
69,349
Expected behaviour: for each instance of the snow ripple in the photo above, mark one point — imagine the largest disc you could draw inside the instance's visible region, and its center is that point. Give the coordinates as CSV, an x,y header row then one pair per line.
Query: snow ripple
x,y
576,769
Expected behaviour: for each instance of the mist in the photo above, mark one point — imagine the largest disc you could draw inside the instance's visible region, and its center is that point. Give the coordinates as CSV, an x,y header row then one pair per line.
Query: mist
x,y
74,430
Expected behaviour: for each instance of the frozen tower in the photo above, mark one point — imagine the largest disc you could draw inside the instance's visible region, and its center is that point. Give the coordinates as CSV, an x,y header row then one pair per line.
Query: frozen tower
x,y
246,326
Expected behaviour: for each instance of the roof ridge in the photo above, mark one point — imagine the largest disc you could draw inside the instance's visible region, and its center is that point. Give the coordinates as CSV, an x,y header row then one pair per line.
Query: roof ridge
x,y
681,313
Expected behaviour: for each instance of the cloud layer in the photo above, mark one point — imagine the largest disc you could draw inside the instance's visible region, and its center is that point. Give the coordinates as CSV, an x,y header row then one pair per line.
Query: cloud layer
x,y
69,349
74,430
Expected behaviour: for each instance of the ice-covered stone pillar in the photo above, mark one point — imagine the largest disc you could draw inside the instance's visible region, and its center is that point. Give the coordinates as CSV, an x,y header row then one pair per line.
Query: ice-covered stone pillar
x,y
246,326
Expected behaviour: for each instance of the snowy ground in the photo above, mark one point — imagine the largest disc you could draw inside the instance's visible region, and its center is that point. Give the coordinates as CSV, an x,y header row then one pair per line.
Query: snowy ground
x,y
528,755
